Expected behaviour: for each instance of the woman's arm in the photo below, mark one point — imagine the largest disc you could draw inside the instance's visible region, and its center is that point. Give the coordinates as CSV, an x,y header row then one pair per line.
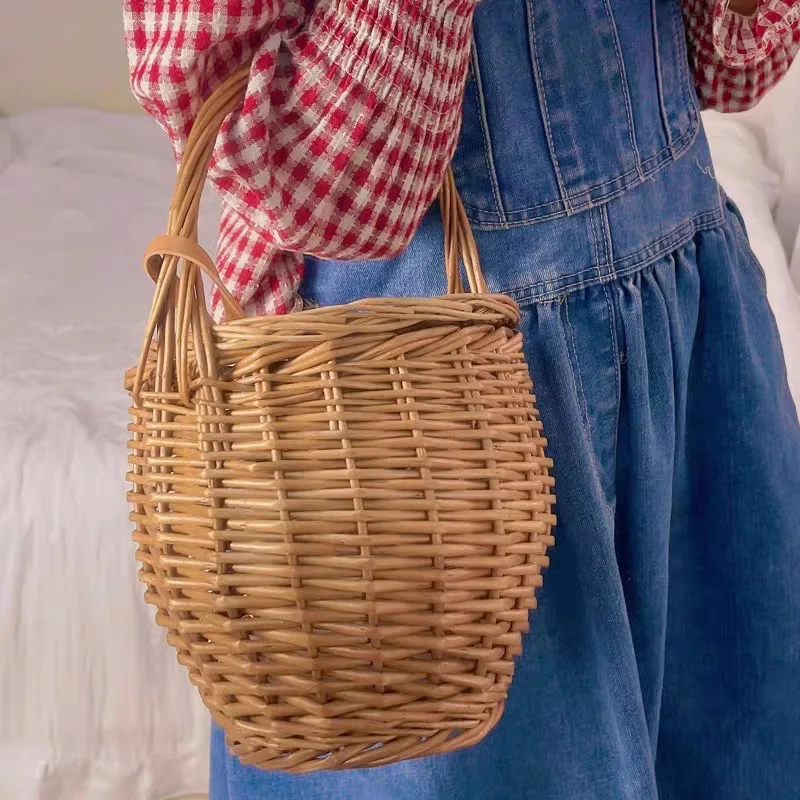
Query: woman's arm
x,y
350,119
740,49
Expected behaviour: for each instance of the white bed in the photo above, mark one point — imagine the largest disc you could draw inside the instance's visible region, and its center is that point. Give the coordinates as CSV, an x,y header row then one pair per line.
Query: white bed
x,y
93,705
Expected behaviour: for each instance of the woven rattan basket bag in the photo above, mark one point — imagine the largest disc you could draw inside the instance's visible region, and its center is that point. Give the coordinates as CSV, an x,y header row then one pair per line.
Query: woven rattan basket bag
x,y
341,514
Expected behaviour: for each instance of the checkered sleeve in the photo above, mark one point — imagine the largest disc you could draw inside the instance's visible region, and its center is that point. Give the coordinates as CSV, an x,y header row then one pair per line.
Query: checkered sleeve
x,y
737,58
350,118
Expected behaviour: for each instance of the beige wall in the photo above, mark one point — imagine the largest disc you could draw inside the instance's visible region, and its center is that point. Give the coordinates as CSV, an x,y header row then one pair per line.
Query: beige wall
x,y
62,52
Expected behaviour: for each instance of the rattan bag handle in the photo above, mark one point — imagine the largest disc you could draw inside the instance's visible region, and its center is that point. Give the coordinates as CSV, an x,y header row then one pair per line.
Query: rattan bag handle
x,y
185,205
179,303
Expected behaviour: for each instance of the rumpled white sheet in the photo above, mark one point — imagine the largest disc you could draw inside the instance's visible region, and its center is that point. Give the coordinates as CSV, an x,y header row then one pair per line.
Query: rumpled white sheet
x,y
92,705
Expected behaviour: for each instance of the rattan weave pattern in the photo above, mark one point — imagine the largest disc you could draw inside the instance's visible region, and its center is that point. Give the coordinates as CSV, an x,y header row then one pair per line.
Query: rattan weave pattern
x,y
342,514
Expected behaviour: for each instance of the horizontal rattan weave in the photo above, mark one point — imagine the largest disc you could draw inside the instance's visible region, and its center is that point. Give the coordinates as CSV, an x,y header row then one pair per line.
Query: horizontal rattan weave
x,y
342,514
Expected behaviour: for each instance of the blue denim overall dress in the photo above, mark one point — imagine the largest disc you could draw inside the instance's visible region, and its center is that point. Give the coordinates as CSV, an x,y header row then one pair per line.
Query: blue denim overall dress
x,y
664,659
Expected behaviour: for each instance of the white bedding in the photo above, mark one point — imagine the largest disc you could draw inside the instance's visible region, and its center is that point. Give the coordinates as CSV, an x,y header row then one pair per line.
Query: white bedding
x,y
93,705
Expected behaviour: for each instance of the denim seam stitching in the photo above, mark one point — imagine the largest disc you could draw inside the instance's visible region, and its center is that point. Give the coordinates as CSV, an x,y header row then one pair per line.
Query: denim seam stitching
x,y
608,247
614,358
625,88
679,37
608,241
615,340
488,150
537,75
595,249
659,76
635,261
682,144
577,378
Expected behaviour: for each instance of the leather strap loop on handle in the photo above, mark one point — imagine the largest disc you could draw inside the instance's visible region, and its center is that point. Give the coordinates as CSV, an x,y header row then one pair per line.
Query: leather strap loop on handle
x,y
191,252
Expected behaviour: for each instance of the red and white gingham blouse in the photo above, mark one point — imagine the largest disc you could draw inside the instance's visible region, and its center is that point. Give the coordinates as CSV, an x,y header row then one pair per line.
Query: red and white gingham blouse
x,y
352,113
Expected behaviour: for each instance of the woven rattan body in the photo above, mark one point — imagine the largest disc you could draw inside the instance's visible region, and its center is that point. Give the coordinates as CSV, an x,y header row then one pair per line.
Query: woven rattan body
x,y
341,514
